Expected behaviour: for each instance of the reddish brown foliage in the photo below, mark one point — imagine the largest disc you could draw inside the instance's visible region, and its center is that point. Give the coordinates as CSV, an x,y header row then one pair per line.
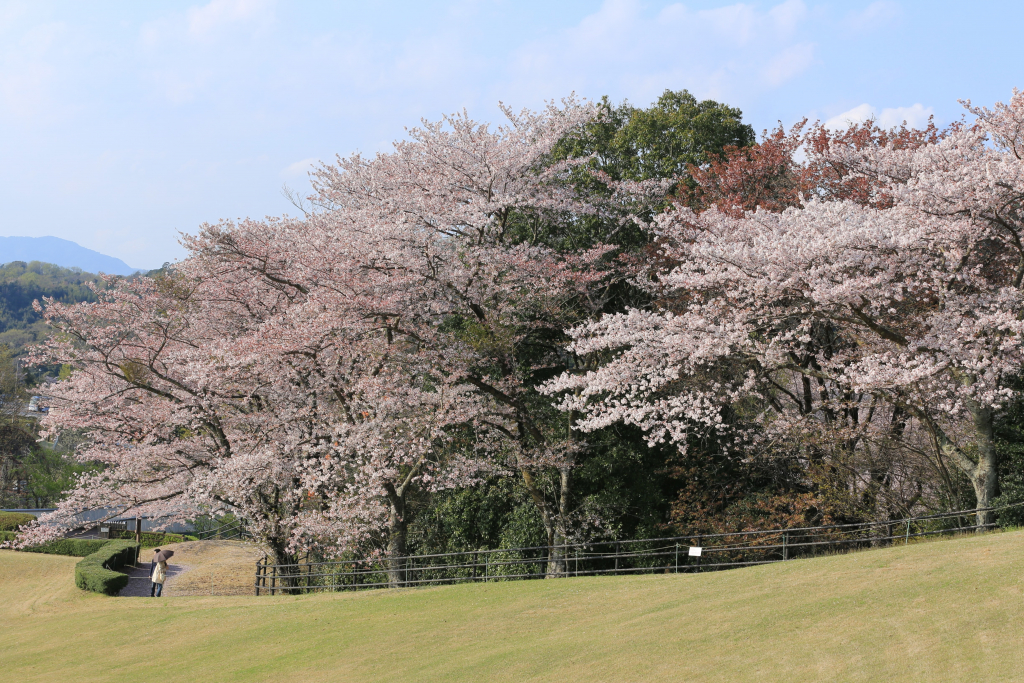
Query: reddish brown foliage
x,y
762,175
770,175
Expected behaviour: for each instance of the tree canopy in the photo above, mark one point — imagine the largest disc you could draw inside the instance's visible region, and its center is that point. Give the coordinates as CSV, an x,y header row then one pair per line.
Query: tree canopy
x,y
592,320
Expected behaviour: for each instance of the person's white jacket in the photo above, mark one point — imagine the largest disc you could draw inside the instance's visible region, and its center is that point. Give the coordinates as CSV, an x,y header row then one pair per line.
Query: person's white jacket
x,y
159,572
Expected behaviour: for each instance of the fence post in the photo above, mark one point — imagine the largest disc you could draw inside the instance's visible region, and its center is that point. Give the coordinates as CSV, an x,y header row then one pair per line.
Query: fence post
x,y
138,537
677,557
906,539
785,546
700,544
257,578
616,557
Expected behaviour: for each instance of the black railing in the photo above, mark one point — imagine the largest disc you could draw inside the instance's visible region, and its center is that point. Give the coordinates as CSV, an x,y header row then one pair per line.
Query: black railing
x,y
691,553
225,532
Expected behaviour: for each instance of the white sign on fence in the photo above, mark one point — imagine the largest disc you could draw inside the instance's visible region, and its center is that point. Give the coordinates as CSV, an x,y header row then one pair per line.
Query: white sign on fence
x,y
695,550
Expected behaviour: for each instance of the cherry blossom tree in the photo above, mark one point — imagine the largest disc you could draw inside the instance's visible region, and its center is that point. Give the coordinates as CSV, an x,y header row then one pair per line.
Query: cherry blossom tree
x,y
887,307
418,243
309,373
208,391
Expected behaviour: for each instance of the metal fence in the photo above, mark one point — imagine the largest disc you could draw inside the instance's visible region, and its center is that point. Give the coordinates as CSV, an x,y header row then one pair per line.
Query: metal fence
x,y
226,532
692,553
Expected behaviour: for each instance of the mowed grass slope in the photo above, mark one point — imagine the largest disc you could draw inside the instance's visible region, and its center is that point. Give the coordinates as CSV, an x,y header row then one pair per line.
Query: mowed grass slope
x,y
943,611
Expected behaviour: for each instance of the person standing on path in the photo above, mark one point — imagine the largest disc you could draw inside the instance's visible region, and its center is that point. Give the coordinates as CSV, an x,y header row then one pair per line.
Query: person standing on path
x,y
158,571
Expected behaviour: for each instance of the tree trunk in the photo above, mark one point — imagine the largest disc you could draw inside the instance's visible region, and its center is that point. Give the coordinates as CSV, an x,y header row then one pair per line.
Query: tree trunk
x,y
559,535
288,573
558,527
982,472
6,478
398,528
984,475
547,518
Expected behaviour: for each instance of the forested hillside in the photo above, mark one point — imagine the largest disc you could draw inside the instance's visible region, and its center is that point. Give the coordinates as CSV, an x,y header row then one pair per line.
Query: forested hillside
x,y
31,474
22,283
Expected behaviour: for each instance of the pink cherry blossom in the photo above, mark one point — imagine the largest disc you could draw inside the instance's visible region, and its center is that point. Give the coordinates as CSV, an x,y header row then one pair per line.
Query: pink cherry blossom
x,y
857,319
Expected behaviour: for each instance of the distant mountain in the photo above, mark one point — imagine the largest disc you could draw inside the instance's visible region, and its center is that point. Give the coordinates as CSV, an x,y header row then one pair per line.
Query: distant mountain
x,y
60,252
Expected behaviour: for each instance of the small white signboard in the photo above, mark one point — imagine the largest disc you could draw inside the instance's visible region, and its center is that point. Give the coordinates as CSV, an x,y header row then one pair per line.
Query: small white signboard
x,y
695,550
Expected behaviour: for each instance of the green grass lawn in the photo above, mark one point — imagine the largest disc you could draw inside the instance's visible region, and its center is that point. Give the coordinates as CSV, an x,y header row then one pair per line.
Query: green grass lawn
x,y
942,611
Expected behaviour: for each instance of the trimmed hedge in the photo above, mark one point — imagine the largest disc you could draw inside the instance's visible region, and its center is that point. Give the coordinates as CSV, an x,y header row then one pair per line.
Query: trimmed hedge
x,y
154,539
95,572
10,521
80,547
75,547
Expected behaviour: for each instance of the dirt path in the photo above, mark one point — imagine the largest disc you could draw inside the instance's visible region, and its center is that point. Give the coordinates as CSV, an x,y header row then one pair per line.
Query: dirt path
x,y
200,568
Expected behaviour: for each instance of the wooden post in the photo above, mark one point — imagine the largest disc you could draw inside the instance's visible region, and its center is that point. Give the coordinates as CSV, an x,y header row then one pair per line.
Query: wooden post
x,y
785,546
138,538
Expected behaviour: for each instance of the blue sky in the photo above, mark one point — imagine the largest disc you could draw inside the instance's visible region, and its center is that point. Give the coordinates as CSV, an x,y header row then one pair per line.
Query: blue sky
x,y
122,123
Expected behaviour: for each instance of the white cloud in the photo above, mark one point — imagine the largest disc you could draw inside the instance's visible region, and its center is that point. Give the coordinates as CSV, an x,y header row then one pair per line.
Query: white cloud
x,y
300,168
858,114
737,23
188,55
203,20
181,88
790,62
788,15
874,15
621,49
916,116
28,70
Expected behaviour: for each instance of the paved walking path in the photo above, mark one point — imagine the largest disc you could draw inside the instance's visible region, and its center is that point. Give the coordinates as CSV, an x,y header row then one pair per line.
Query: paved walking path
x,y
200,568
139,585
